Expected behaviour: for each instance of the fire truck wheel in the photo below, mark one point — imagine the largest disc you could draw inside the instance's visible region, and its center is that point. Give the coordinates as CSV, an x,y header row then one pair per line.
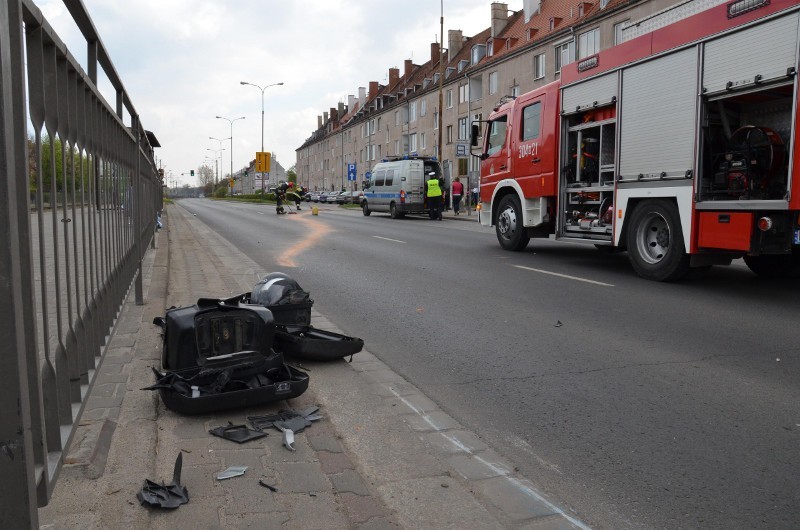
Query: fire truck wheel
x,y
393,213
655,242
510,232
775,266
365,208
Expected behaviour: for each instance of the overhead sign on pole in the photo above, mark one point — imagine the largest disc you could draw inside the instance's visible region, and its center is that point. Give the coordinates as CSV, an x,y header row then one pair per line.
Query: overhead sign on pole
x,y
351,172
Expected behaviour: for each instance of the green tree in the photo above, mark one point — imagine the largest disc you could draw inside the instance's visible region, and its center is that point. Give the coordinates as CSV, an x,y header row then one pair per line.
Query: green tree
x,y
291,174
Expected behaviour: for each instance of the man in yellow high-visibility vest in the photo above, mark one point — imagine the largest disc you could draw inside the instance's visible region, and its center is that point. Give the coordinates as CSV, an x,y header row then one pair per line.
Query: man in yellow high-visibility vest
x,y
434,194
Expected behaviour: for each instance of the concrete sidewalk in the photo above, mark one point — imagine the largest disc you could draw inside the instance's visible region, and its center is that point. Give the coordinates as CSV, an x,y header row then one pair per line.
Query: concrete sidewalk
x,y
383,456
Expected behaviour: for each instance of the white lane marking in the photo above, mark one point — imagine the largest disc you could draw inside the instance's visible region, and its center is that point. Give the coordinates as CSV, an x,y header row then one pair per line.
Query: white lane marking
x,y
387,239
524,488
576,278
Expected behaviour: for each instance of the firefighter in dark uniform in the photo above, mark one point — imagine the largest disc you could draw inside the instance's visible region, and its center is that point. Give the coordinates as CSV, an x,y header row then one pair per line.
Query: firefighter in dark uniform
x,y
280,197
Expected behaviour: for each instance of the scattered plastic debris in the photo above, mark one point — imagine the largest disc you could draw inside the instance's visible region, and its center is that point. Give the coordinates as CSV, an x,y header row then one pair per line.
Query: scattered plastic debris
x,y
237,433
559,324
168,496
288,439
297,421
233,471
271,488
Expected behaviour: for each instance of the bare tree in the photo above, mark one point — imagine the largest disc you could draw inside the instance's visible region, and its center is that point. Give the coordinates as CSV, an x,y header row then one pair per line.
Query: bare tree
x,y
205,175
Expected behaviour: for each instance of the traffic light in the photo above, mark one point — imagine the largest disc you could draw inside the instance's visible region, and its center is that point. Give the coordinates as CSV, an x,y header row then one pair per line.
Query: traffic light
x,y
191,172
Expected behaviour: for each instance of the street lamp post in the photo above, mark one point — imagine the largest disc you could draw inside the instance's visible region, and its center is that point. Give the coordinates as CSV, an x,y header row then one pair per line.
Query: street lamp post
x,y
217,158
262,89
220,140
231,122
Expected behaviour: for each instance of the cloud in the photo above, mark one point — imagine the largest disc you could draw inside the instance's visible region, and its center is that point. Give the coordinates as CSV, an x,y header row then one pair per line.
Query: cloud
x,y
182,60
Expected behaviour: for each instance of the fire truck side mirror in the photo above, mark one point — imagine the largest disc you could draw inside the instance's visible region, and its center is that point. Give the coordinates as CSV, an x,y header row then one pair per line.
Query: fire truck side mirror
x,y
474,133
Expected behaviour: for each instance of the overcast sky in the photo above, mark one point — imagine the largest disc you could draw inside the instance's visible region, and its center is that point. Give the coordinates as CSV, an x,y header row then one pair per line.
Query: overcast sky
x,y
182,60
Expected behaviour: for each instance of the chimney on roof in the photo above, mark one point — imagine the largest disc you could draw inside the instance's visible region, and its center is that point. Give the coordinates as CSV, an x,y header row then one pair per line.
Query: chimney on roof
x,y
455,39
340,110
499,18
325,118
434,52
408,70
373,90
351,103
394,77
362,96
334,116
531,8
319,122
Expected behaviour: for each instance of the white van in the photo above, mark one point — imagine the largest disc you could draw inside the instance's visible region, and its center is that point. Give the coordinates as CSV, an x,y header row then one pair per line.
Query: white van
x,y
397,186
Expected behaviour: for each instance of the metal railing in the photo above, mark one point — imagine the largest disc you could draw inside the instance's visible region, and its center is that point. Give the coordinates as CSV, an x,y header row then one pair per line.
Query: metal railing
x,y
79,192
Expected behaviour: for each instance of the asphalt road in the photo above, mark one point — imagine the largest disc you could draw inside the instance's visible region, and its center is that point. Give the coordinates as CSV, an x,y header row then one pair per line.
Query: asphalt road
x,y
635,403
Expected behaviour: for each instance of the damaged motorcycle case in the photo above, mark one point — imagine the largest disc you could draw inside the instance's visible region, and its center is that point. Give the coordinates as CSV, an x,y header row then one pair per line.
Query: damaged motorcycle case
x,y
212,328
314,344
215,336
297,314
280,382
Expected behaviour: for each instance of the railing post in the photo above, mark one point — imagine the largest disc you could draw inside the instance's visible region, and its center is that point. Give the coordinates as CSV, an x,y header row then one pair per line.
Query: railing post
x,y
18,487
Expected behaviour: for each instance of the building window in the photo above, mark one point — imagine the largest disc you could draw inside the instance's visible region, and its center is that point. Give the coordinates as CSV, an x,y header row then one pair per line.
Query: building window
x,y
413,143
589,43
493,83
436,119
412,111
462,128
538,66
422,143
423,108
397,117
565,54
397,147
463,93
449,98
449,135
618,31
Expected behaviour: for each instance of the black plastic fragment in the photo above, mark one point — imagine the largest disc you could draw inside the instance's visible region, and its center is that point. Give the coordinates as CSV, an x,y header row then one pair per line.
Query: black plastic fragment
x,y
294,420
237,433
271,488
168,496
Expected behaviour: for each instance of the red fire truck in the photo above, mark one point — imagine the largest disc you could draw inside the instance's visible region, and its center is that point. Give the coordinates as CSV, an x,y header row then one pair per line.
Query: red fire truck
x,y
677,146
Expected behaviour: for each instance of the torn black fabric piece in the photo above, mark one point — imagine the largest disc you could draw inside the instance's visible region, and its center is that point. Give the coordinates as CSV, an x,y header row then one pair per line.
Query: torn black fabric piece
x,y
168,496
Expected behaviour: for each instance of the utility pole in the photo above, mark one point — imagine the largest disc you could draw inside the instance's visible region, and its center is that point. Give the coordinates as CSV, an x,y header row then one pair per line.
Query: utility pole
x,y
441,80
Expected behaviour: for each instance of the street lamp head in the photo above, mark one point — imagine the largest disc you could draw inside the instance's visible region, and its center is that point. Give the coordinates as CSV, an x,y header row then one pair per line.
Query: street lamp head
x,y
243,83
280,83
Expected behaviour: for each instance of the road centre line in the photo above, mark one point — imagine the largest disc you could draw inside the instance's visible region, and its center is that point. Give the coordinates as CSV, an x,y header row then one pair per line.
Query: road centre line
x,y
576,278
387,239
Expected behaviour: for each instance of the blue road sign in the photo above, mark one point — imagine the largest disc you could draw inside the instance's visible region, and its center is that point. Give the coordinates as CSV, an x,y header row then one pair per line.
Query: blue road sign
x,y
351,172
368,175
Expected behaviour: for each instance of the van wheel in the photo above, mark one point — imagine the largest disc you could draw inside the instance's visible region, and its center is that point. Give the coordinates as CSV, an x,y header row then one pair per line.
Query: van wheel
x,y
510,232
655,242
393,211
365,209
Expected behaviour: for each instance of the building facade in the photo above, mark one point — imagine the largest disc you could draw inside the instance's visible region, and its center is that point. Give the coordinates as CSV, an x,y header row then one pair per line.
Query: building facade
x,y
517,52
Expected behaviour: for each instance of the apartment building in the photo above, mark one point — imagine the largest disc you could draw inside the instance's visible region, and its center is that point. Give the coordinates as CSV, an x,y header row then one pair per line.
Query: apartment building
x,y
516,53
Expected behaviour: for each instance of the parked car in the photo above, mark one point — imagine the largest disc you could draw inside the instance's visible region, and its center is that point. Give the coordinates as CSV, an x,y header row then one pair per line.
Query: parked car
x,y
315,196
307,197
357,197
346,197
332,196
